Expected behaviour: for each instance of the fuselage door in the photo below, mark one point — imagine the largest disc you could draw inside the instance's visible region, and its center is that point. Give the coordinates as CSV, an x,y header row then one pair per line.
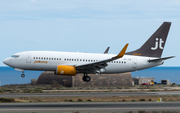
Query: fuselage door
x,y
28,58
134,63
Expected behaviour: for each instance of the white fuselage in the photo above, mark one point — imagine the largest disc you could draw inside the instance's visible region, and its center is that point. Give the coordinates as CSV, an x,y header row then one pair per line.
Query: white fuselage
x,y
49,60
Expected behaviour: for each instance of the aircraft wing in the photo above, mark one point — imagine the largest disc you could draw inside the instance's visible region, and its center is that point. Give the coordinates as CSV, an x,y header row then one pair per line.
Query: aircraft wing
x,y
101,64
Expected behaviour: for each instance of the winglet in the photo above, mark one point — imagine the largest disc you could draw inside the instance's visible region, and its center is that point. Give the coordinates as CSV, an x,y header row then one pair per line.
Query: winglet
x,y
121,54
105,52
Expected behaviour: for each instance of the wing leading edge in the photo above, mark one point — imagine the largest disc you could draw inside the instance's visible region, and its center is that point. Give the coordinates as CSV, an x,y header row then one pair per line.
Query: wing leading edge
x,y
101,64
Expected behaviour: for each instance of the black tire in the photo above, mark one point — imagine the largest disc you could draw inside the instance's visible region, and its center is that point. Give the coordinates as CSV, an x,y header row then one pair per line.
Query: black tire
x,y
84,78
87,78
23,75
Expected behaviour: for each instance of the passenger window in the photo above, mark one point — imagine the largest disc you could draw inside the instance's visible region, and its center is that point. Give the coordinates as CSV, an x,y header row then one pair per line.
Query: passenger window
x,y
49,58
64,59
74,59
54,58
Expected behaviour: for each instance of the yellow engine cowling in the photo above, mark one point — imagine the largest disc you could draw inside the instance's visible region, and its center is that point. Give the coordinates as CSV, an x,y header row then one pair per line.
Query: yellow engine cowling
x,y
65,70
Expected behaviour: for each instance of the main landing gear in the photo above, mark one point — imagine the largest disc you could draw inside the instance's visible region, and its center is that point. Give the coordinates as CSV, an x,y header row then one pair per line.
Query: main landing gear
x,y
86,78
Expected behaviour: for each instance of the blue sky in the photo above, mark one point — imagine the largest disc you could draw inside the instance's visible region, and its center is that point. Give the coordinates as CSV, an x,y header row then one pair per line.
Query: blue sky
x,y
86,26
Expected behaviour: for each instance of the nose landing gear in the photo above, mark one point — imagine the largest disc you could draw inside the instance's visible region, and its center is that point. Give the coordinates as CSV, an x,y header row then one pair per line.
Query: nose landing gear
x,y
22,75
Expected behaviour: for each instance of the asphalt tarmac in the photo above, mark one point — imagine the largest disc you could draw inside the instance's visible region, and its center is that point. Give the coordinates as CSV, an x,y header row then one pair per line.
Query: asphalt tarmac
x,y
83,94
90,107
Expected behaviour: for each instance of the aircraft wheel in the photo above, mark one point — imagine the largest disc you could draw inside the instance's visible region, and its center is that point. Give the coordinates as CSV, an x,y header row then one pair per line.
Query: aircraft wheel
x,y
84,78
87,78
23,75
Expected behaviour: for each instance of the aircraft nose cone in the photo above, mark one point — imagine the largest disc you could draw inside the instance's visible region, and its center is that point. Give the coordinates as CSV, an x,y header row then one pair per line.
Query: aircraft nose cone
x,y
6,61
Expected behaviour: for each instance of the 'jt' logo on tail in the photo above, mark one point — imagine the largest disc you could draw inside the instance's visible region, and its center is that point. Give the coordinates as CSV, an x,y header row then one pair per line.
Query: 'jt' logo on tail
x,y
156,44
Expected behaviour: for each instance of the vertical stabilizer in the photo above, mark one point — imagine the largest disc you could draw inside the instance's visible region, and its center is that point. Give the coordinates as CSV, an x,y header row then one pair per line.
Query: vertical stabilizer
x,y
154,46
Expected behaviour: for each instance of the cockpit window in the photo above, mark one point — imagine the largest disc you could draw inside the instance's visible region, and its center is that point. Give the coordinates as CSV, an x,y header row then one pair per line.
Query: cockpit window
x,y
15,56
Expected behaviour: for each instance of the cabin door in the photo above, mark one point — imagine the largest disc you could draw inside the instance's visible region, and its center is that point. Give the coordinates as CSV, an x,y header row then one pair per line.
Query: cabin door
x,y
28,58
134,63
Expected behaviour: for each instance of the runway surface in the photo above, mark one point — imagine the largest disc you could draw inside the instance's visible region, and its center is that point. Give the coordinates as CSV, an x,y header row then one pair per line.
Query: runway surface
x,y
89,106
83,94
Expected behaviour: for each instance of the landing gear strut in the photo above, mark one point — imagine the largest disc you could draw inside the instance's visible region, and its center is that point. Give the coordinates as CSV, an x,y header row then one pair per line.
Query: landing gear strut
x,y
86,78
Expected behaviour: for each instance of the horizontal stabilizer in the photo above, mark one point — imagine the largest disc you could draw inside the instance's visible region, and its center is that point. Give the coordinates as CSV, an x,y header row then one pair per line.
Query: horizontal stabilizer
x,y
159,59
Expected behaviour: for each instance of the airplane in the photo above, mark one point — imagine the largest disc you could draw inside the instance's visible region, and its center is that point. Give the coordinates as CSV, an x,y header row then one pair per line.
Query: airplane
x,y
72,63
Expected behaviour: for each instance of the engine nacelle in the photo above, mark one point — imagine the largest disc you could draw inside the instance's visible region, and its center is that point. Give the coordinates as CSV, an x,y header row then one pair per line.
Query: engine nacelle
x,y
65,70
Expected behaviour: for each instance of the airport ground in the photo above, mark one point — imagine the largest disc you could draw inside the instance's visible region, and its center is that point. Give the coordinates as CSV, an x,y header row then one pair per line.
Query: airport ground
x,y
91,107
46,99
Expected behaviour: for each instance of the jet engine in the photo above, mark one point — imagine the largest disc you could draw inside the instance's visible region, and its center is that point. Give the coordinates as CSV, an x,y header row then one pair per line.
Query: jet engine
x,y
65,70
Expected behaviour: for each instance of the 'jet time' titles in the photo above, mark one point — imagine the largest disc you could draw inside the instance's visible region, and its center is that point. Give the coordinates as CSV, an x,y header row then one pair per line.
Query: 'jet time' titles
x,y
156,44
